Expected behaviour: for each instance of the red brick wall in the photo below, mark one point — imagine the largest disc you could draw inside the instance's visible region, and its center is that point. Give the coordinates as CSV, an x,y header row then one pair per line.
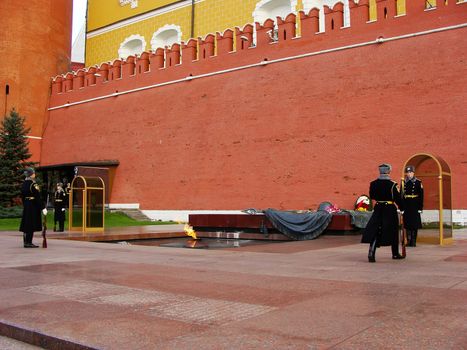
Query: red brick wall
x,y
287,135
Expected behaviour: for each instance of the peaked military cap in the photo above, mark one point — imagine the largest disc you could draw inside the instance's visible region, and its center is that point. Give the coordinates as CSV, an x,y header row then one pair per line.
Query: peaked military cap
x,y
29,171
410,168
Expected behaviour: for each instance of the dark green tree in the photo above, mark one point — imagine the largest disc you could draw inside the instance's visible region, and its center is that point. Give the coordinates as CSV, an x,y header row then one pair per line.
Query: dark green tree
x,y
14,155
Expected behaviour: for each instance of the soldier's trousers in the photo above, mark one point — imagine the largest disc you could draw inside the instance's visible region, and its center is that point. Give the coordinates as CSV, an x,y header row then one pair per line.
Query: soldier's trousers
x,y
27,237
412,237
395,249
61,225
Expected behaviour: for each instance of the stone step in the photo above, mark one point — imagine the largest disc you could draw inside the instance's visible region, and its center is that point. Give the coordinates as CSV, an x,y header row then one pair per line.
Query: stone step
x,y
135,214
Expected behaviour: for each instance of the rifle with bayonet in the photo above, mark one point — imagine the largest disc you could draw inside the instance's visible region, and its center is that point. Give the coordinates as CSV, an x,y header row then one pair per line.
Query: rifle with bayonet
x,y
44,225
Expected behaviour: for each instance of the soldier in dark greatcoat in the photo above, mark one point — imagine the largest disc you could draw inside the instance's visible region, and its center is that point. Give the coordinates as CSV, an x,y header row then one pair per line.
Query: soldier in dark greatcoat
x,y
383,227
59,207
31,220
412,197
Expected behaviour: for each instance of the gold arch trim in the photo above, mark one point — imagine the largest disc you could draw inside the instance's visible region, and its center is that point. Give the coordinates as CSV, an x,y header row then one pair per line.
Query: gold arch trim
x,y
443,170
85,228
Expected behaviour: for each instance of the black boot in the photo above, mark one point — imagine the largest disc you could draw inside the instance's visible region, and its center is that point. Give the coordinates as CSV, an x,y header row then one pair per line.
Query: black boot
x,y
28,240
395,251
372,252
30,245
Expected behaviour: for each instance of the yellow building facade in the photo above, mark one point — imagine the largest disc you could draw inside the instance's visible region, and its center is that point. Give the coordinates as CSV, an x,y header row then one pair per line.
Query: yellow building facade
x,y
119,28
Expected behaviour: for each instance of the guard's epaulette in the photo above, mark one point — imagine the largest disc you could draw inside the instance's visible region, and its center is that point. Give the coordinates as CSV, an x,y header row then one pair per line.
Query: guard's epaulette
x,y
35,185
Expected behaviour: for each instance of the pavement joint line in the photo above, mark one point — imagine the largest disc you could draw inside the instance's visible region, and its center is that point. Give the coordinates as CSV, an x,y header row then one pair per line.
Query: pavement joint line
x,y
350,337
456,284
37,338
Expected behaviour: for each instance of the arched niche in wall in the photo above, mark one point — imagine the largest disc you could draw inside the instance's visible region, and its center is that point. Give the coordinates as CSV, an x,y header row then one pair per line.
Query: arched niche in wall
x,y
309,4
272,8
266,9
134,44
166,36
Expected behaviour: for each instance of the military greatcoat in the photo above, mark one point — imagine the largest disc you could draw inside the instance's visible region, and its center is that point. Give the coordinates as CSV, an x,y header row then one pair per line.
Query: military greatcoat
x,y
384,222
59,205
412,198
31,220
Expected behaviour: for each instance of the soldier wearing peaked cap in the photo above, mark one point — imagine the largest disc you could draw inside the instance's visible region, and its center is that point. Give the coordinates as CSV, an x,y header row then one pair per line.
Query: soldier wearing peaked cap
x,y
59,208
412,198
382,229
31,219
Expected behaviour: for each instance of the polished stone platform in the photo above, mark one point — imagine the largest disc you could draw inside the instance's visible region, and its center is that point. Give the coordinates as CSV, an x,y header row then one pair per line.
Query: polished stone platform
x,y
228,226
121,233
319,294
156,232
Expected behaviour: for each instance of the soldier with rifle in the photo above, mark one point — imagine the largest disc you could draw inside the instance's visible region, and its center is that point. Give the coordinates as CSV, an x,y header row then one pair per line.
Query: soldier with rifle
x,y
383,227
31,219
412,197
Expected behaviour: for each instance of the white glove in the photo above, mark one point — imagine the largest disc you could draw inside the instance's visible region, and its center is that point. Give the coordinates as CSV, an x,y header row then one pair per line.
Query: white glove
x,y
63,209
420,211
44,211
